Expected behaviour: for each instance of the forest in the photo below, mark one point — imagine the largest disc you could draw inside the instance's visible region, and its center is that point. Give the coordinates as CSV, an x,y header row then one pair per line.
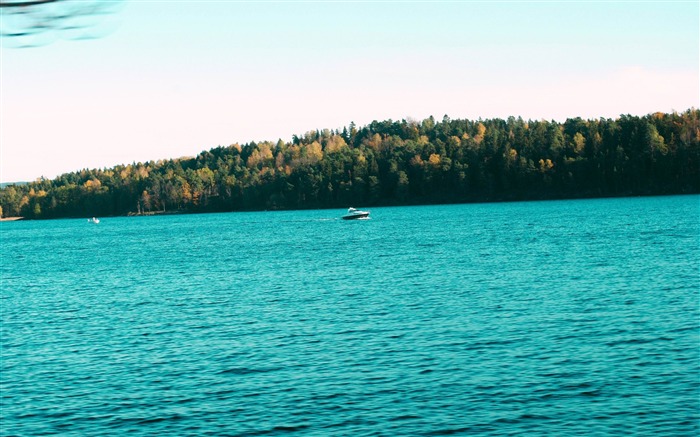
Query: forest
x,y
389,162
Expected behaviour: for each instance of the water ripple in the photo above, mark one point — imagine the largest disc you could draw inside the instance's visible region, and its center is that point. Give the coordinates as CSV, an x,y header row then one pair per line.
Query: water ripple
x,y
541,318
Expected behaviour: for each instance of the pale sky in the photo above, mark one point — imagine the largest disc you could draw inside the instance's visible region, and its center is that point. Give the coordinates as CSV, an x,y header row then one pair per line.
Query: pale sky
x,y
174,78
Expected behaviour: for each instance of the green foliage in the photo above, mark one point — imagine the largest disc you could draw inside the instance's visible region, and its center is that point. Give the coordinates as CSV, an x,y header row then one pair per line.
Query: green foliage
x,y
391,163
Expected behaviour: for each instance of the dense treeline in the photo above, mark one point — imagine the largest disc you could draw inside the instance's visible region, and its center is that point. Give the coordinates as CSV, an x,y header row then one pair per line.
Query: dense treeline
x,y
392,163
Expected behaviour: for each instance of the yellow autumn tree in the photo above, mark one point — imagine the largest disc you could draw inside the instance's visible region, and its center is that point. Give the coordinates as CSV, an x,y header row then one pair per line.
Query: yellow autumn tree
x,y
579,142
480,132
375,143
312,152
546,164
335,144
142,171
262,154
92,184
186,192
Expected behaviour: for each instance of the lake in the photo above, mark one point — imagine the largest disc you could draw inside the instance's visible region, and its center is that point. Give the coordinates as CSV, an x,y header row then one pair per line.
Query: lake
x,y
531,318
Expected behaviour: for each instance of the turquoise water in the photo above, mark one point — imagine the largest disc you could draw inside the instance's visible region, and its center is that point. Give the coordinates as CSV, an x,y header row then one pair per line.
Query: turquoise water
x,y
534,318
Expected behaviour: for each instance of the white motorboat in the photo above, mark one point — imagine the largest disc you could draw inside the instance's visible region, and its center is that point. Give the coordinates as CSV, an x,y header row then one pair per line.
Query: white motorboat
x,y
356,214
94,220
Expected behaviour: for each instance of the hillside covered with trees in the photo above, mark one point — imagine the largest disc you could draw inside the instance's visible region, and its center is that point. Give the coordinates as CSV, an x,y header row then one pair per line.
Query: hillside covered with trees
x,y
391,163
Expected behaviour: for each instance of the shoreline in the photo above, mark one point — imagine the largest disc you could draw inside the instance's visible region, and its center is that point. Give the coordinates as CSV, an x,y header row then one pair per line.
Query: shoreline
x,y
385,205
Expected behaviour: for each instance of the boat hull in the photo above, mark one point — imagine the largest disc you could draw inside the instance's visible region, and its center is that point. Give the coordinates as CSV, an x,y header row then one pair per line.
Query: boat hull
x,y
363,215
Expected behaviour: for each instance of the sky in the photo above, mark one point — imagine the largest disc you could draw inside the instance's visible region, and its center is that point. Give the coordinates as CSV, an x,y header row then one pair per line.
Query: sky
x,y
167,79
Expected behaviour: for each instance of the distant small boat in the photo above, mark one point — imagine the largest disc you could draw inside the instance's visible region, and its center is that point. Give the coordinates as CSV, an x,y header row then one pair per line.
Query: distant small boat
x,y
94,220
356,214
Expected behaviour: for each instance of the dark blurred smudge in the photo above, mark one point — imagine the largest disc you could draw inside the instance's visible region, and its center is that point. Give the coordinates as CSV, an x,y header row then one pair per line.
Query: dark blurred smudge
x,y
32,23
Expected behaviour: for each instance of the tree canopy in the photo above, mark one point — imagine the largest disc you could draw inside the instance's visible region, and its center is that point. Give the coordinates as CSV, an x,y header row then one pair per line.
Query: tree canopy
x,y
391,163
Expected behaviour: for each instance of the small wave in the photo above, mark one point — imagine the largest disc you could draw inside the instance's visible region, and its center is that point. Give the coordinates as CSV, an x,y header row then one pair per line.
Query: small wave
x,y
581,385
489,343
349,422
246,371
275,430
289,428
638,341
159,419
533,417
404,417
450,431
